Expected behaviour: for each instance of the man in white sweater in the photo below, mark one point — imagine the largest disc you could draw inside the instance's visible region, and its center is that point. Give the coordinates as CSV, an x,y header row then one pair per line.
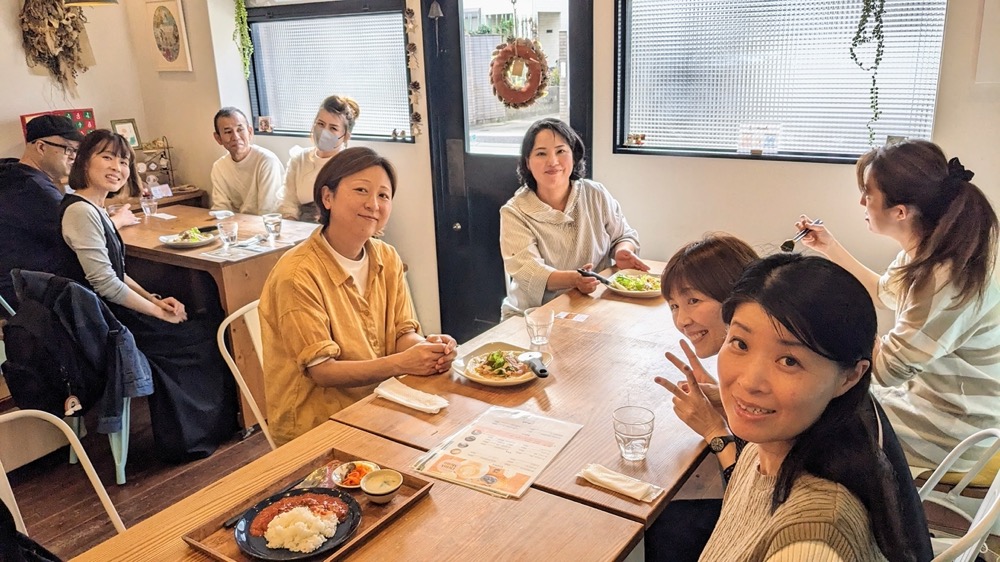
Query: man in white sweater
x,y
249,179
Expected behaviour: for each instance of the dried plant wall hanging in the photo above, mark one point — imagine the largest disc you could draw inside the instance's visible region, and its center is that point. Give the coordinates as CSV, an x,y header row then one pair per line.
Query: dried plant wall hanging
x,y
53,37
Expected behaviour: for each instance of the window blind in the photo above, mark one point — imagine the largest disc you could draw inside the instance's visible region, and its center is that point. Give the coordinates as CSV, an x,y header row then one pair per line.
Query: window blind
x,y
298,63
693,75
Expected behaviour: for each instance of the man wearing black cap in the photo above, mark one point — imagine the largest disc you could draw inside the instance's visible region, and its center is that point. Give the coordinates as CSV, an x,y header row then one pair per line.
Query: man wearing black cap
x,y
29,200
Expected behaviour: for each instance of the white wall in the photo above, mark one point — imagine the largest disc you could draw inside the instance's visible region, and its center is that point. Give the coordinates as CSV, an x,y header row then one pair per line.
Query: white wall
x,y
110,87
673,200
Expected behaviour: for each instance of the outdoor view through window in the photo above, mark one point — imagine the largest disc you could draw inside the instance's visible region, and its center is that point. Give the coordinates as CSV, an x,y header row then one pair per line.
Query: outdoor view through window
x,y
491,127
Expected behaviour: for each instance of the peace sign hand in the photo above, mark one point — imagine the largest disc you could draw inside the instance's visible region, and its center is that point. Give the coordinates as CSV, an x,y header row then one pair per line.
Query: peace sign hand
x,y
690,401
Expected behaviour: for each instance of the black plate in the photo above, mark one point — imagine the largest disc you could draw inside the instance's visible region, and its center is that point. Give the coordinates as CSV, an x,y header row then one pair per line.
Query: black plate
x,y
257,546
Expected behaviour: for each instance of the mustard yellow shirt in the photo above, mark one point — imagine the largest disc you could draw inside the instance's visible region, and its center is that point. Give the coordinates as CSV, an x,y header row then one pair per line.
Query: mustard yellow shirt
x,y
310,309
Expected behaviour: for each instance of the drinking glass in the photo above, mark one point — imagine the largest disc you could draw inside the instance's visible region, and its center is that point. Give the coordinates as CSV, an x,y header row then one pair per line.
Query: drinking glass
x,y
539,323
633,428
272,223
228,231
148,205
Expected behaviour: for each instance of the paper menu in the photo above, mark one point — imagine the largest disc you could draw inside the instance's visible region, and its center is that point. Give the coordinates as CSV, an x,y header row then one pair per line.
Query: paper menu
x,y
501,452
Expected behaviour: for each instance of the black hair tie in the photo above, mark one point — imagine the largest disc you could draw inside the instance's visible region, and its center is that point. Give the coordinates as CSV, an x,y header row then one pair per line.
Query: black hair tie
x,y
957,172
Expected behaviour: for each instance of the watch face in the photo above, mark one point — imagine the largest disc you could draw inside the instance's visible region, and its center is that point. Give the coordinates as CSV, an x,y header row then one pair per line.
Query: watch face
x,y
717,444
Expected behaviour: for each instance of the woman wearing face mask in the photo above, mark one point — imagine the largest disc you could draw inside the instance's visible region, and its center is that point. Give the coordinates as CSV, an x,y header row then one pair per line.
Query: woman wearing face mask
x,y
330,133
812,482
938,368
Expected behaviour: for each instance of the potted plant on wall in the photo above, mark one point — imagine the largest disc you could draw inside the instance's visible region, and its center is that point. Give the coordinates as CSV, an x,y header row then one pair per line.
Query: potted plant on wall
x,y
871,15
241,35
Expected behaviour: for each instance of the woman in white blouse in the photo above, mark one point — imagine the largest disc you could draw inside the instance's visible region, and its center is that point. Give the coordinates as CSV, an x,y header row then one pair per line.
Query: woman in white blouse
x,y
331,131
558,222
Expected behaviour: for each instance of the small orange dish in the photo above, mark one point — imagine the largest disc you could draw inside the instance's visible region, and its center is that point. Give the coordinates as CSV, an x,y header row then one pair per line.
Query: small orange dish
x,y
349,474
381,485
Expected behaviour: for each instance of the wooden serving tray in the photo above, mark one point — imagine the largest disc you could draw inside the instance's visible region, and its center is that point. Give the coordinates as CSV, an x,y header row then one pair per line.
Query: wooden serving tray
x,y
220,543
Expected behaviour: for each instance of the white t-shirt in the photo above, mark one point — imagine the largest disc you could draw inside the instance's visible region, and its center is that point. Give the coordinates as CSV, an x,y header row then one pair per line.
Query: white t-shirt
x,y
252,185
300,180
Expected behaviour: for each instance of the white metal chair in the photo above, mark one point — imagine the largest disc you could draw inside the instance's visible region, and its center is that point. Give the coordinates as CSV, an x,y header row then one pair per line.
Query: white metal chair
x,y
965,548
7,494
252,320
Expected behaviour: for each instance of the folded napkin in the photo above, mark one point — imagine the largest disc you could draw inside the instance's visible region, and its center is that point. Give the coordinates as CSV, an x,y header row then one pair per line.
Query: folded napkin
x,y
164,216
617,482
395,391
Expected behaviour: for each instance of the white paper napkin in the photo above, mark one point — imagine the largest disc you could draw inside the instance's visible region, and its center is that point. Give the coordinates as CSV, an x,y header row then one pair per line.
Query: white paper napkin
x,y
395,391
618,482
164,216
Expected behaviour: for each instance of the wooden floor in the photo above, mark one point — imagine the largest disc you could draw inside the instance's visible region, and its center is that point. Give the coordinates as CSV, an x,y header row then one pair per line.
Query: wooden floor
x,y
62,512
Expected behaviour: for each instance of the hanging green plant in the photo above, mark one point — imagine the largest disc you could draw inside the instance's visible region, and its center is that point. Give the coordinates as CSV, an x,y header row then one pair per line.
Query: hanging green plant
x,y
871,12
241,35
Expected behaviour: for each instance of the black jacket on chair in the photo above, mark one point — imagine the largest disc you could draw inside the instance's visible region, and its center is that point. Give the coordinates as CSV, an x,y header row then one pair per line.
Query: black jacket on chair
x,y
96,356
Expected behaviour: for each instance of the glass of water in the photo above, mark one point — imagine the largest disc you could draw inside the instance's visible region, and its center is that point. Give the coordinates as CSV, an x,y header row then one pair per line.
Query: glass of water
x,y
149,205
228,231
539,322
633,429
272,223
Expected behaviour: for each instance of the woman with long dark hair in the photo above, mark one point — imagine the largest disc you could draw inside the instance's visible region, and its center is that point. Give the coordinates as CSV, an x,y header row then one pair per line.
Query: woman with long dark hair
x,y
938,368
794,371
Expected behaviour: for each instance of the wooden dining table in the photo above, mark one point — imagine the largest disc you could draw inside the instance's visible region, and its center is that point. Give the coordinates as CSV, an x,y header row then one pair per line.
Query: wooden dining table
x,y
239,281
449,523
604,362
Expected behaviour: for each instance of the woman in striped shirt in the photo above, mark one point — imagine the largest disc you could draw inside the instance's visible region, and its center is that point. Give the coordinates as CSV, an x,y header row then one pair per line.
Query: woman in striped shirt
x,y
938,369
558,222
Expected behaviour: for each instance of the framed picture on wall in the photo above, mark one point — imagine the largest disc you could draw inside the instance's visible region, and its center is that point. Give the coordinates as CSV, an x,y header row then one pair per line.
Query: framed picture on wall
x,y
127,129
168,36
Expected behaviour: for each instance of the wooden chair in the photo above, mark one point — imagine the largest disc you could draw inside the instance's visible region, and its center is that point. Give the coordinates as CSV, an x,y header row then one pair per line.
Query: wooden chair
x,y
982,517
7,494
252,320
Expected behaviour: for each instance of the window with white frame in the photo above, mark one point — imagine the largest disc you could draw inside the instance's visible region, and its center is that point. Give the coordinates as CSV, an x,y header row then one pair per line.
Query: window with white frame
x,y
306,52
771,77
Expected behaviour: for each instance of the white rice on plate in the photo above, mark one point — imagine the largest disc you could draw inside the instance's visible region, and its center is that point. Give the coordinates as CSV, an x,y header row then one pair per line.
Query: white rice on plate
x,y
300,530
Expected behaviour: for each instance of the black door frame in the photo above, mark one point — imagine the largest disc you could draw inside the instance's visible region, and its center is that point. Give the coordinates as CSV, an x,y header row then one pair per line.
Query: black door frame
x,y
443,123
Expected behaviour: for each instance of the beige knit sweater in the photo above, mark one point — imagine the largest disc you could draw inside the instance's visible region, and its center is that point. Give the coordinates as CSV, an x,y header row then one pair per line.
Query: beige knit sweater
x,y
821,520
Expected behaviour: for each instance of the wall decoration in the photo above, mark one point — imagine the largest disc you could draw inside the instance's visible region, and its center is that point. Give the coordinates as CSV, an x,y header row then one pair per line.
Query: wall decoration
x,y
153,163
168,36
83,119
264,124
128,129
519,72
54,37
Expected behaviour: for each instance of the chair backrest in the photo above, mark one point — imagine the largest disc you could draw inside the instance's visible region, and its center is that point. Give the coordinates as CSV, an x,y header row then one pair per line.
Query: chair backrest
x,y
252,320
965,549
7,494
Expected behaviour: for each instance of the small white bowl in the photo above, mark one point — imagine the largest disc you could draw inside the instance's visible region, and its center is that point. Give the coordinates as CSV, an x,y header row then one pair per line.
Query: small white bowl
x,y
381,485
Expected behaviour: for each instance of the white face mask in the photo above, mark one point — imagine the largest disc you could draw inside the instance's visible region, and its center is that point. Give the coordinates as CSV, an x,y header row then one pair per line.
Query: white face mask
x,y
325,140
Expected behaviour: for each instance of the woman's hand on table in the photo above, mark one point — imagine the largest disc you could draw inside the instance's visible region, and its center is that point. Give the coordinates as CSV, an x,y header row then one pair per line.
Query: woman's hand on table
x,y
444,363
625,258
693,405
426,357
123,217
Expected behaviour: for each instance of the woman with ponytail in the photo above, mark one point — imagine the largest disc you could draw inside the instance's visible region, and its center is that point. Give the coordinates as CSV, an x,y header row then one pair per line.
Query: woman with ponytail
x,y
812,482
938,369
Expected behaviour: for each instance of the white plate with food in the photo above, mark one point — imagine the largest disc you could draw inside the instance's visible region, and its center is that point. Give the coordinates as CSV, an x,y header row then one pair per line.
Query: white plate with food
x,y
496,364
635,283
191,238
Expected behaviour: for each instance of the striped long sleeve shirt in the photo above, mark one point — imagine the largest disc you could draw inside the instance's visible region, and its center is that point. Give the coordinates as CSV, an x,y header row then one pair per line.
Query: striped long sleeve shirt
x,y
536,240
938,369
